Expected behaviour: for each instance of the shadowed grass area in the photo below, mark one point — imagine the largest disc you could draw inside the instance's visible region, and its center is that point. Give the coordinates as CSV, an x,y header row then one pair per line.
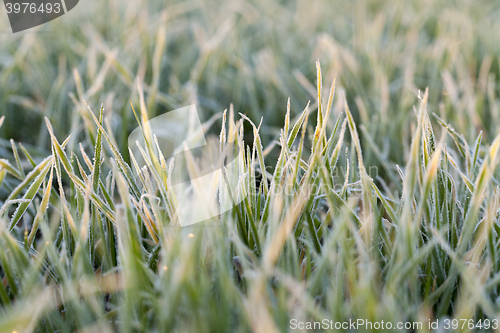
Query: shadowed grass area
x,y
375,200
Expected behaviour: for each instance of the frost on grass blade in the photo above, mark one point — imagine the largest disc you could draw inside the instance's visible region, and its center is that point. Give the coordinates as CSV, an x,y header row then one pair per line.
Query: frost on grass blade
x,y
177,135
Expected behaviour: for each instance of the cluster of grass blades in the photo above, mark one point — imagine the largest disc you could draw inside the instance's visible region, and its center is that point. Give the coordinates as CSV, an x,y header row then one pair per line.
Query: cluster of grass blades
x,y
84,247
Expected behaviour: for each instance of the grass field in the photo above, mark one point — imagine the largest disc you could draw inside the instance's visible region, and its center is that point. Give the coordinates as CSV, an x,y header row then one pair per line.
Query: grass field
x,y
370,189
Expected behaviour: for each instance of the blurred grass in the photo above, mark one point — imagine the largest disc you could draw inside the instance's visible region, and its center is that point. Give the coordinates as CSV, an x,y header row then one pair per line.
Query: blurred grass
x,y
256,55
83,247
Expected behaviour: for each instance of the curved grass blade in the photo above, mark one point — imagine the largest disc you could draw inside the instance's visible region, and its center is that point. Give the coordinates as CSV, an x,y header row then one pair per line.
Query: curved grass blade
x,y
30,194
41,210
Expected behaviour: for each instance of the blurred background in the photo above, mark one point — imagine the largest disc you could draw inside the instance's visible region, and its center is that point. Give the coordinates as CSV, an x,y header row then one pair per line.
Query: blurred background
x,y
254,54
